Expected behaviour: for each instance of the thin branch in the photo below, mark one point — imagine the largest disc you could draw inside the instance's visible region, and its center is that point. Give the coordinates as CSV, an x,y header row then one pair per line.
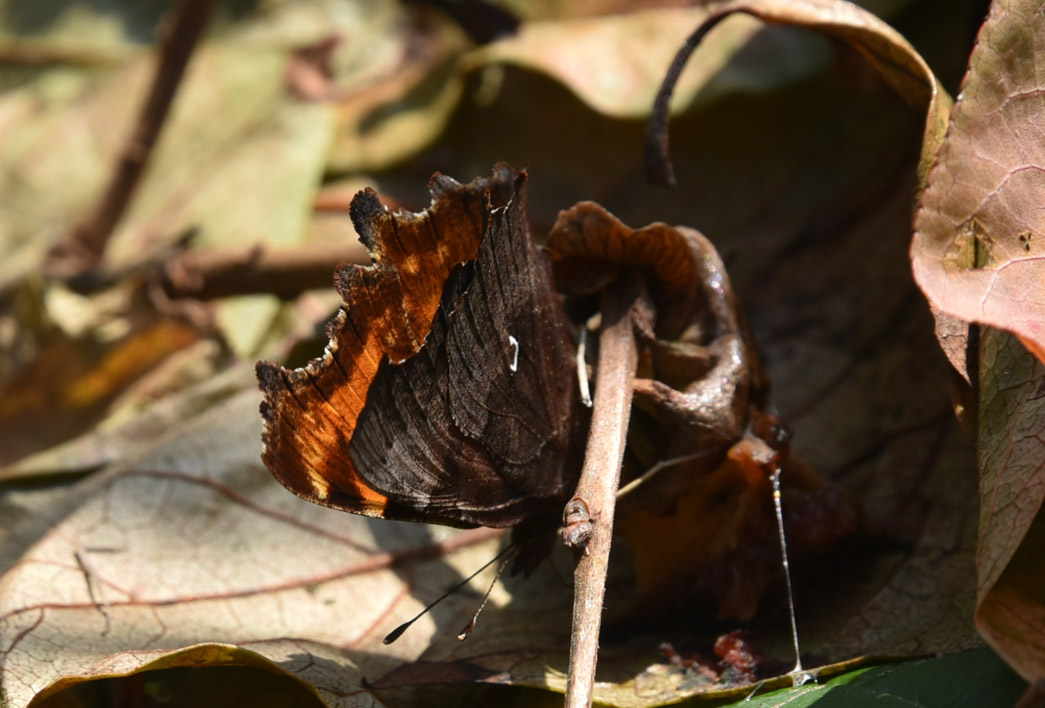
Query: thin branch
x,y
589,515
214,273
659,170
83,247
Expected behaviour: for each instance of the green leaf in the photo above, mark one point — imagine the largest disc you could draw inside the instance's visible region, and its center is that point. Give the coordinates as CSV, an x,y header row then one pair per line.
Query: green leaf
x,y
971,679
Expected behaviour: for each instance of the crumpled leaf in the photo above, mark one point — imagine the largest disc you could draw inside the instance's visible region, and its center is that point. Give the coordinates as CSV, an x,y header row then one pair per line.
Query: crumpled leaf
x,y
700,521
979,232
1010,574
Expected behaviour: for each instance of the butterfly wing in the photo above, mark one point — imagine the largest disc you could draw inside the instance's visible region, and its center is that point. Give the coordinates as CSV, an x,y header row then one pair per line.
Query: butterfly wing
x,y
414,412
477,426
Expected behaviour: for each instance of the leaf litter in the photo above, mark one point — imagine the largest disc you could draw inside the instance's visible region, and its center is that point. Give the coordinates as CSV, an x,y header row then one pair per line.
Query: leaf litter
x,y
164,533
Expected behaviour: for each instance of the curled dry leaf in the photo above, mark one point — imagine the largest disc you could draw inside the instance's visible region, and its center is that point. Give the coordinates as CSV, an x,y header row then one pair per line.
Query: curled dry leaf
x,y
700,522
381,123
979,231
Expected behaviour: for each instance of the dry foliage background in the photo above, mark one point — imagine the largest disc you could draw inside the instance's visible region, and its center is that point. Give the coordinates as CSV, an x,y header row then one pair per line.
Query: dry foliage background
x,y
142,538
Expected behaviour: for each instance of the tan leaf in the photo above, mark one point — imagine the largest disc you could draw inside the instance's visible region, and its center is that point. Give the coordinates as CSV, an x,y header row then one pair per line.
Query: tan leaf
x,y
885,51
63,128
129,431
615,63
214,177
43,32
193,548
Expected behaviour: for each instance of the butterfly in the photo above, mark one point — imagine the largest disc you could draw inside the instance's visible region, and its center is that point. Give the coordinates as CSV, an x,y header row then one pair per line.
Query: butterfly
x,y
447,393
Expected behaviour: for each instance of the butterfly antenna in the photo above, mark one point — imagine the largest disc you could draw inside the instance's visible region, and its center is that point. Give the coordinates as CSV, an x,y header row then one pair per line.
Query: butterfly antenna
x,y
398,631
471,625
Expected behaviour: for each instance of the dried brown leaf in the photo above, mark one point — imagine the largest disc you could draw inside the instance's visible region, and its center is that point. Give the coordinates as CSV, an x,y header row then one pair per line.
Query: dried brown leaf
x,y
1011,544
131,429
979,231
214,177
975,256
62,128
402,106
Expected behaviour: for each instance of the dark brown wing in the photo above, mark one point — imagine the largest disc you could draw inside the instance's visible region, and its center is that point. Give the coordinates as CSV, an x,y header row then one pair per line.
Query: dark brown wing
x,y
476,427
414,411
310,413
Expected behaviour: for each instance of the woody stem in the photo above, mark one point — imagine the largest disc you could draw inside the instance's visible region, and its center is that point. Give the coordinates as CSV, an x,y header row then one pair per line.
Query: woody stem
x,y
215,273
600,477
84,245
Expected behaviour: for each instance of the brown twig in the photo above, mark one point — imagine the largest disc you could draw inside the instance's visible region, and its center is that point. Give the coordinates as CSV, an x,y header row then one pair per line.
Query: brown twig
x,y
659,170
590,512
83,247
214,273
